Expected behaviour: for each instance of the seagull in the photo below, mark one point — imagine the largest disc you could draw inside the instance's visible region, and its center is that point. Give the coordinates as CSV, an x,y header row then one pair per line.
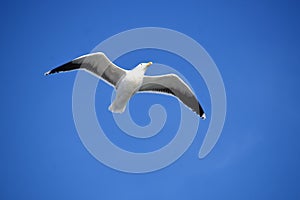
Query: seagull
x,y
129,82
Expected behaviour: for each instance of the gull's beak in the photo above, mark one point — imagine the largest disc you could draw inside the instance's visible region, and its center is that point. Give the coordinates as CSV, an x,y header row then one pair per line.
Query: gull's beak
x,y
148,64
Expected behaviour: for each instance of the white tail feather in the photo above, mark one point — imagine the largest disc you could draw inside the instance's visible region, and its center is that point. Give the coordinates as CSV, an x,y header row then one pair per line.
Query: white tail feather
x,y
117,108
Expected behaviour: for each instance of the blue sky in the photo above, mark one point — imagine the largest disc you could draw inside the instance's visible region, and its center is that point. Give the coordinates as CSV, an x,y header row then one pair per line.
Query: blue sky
x,y
255,45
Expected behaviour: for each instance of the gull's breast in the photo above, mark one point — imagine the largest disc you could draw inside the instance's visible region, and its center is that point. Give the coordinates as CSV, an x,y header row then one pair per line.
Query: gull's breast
x,y
130,83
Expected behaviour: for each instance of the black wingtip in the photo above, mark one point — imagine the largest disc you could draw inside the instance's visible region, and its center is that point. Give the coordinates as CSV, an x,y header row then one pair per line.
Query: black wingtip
x,y
47,73
203,116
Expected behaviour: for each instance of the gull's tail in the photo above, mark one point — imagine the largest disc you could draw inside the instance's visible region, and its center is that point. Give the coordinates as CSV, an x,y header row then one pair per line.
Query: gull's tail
x,y
117,108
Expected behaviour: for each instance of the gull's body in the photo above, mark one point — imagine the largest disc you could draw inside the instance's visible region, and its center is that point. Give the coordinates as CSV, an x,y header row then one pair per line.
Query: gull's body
x,y
127,87
128,82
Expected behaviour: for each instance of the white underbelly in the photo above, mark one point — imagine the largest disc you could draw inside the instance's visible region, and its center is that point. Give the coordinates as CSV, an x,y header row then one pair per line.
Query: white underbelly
x,y
126,88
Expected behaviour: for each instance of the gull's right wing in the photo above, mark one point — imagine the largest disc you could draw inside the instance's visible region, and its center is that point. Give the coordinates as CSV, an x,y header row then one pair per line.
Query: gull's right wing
x,y
97,64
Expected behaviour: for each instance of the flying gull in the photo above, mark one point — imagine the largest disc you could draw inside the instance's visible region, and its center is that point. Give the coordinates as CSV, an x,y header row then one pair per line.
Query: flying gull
x,y
129,82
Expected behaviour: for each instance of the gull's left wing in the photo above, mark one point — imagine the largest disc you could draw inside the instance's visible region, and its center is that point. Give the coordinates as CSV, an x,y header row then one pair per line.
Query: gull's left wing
x,y
173,85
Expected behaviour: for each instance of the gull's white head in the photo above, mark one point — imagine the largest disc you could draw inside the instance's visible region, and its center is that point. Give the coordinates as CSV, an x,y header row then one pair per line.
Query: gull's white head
x,y
143,66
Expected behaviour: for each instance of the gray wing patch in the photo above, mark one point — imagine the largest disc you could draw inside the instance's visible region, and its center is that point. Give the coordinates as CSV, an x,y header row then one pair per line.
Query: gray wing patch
x,y
95,63
102,67
173,85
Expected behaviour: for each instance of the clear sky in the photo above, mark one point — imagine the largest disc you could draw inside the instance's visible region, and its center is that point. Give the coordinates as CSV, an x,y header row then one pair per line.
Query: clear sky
x,y
255,45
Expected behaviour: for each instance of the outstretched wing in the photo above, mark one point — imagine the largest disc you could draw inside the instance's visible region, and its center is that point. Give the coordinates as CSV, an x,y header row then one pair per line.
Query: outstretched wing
x,y
96,63
173,85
